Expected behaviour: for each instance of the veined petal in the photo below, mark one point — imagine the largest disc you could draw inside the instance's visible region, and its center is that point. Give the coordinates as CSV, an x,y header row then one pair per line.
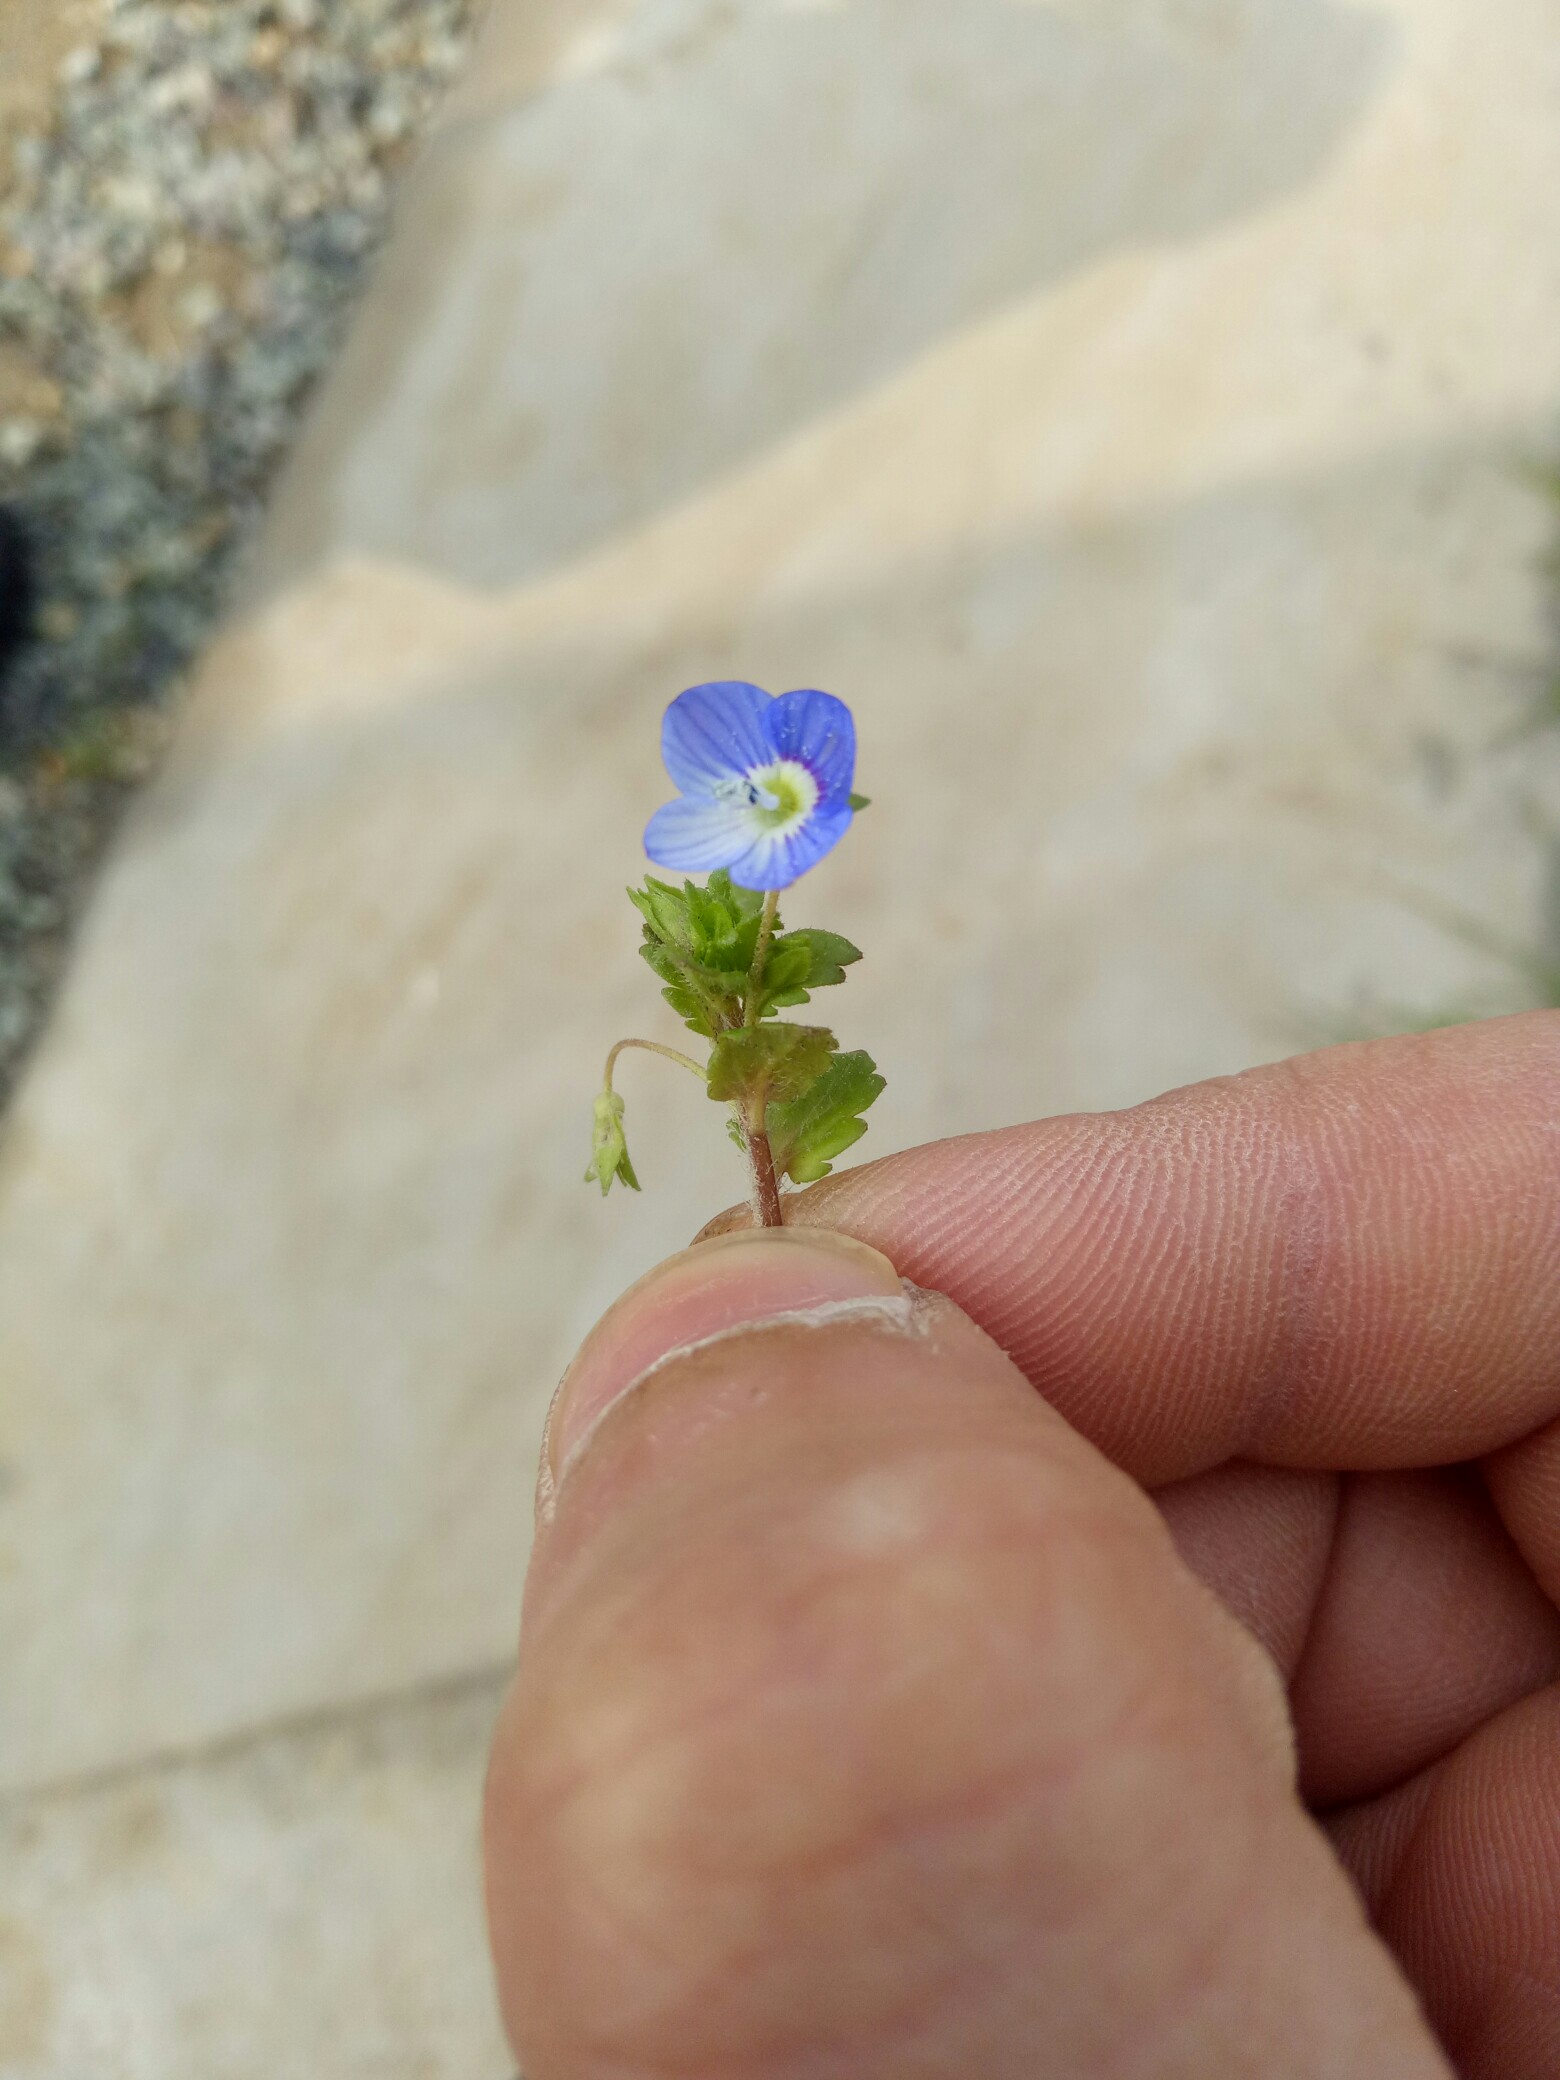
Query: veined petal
x,y
772,860
817,729
697,834
716,732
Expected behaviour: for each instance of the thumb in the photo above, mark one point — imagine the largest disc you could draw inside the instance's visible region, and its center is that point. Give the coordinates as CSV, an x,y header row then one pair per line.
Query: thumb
x,y
867,1727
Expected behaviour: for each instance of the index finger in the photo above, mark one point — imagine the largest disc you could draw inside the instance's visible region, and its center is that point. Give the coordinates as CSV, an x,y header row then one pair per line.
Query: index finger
x,y
1351,1259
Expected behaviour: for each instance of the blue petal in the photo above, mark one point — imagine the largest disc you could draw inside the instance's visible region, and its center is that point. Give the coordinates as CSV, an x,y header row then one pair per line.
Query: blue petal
x,y
819,730
697,835
716,732
772,861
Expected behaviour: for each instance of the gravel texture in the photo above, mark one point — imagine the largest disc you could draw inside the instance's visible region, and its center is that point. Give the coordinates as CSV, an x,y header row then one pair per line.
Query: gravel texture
x,y
179,244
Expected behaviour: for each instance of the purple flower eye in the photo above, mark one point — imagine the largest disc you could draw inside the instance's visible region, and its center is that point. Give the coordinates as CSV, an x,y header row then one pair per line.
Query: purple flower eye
x,y
763,782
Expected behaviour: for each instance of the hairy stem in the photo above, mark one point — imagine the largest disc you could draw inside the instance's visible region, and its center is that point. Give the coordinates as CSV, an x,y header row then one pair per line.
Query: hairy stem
x,y
766,1186
766,931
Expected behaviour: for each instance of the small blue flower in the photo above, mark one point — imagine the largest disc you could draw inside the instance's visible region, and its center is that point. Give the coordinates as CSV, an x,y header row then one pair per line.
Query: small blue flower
x,y
764,782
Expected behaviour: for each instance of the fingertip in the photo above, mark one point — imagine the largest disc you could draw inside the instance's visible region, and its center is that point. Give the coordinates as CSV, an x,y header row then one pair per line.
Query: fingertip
x,y
719,1284
871,1727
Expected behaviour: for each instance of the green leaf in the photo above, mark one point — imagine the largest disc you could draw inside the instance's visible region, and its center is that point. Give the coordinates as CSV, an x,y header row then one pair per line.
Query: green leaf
x,y
786,969
808,1131
828,955
798,963
718,937
664,910
860,801
723,924
701,942
609,1162
743,902
691,1008
760,1064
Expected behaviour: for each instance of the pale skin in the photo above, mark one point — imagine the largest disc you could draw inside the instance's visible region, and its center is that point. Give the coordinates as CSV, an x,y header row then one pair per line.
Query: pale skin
x,y
1141,1662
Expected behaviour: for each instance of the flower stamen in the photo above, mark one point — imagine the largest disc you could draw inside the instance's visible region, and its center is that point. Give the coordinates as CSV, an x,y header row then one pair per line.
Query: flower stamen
x,y
784,794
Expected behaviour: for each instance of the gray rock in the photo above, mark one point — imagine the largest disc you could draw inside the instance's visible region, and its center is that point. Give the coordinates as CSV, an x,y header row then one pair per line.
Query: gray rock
x,y
184,242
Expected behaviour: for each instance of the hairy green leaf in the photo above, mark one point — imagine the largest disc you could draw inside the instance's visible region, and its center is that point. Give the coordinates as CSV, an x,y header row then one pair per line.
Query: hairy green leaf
x,y
786,969
686,990
798,963
762,1064
746,902
701,942
664,910
807,1131
828,955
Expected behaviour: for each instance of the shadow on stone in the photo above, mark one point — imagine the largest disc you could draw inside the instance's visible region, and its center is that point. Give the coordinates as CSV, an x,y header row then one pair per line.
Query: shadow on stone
x,y
617,291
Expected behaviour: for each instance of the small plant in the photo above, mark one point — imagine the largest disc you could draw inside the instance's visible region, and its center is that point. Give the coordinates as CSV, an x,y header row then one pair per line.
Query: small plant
x,y
764,791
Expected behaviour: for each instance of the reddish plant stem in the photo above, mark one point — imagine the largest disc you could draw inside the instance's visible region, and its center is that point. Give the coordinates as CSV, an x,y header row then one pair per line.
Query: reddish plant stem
x,y
766,1186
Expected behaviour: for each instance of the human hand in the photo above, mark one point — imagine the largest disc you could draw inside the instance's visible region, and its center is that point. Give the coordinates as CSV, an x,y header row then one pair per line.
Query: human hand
x,y
871,1719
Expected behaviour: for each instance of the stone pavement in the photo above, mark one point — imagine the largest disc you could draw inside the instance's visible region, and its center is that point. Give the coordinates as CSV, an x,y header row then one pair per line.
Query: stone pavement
x,y
1121,403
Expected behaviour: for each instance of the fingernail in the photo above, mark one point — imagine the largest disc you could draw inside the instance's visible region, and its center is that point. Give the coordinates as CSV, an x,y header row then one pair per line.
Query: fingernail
x,y
748,1276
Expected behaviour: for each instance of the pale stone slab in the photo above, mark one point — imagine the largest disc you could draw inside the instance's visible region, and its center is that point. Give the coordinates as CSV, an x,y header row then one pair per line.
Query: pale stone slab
x,y
1159,577
729,217
526,49
304,1906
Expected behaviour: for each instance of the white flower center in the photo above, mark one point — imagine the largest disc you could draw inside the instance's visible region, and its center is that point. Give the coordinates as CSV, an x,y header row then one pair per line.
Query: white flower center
x,y
780,796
